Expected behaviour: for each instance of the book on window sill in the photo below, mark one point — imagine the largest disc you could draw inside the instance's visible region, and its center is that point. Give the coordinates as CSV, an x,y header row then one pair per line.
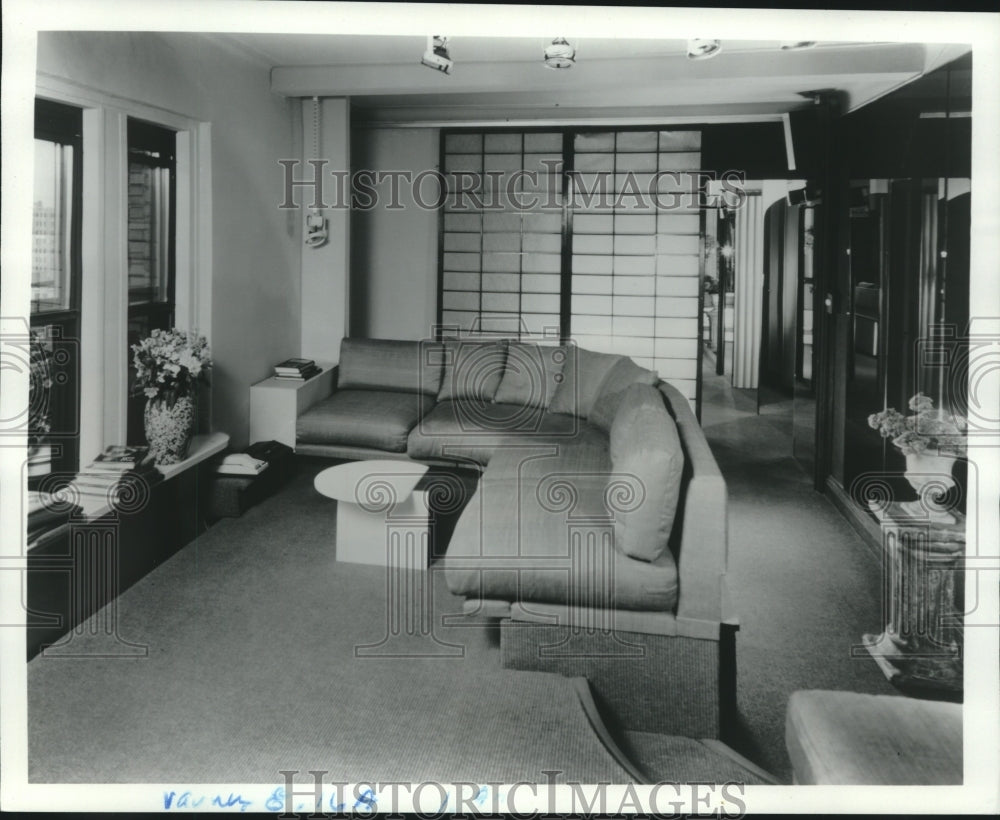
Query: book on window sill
x,y
46,513
90,477
120,458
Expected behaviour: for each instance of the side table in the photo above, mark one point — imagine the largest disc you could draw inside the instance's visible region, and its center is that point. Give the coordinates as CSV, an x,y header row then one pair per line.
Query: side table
x,y
920,651
275,404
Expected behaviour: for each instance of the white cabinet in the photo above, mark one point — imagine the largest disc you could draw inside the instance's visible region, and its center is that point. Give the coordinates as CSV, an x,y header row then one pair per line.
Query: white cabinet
x,y
276,403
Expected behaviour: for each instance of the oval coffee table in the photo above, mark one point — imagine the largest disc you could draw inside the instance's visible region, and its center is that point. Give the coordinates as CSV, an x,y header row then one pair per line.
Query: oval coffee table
x,y
380,512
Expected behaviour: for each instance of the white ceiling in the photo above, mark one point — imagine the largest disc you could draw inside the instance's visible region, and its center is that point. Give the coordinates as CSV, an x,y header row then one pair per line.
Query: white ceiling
x,y
327,49
503,77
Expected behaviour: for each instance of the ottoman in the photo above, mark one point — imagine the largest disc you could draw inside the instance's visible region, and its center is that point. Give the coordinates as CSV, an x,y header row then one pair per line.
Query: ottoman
x,y
847,738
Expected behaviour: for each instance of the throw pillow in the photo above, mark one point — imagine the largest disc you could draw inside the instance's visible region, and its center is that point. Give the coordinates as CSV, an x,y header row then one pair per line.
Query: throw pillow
x,y
624,374
581,379
472,369
531,374
645,448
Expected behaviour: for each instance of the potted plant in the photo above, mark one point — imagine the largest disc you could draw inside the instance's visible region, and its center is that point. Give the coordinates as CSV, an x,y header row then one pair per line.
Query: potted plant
x,y
169,364
931,439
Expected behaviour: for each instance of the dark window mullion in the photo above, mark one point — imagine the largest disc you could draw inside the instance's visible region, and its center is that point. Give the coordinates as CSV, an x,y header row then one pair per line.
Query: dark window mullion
x,y
566,257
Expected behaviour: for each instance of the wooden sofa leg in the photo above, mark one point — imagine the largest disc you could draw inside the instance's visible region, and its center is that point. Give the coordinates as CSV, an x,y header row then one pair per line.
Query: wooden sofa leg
x,y
671,685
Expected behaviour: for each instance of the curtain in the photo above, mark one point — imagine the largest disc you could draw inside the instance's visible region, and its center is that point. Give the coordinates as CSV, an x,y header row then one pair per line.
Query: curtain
x,y
748,261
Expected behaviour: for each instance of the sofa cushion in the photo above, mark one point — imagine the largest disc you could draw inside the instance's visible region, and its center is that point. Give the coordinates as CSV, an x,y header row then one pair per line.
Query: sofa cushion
x,y
581,380
624,373
390,364
471,430
472,369
644,443
531,374
381,419
556,549
584,453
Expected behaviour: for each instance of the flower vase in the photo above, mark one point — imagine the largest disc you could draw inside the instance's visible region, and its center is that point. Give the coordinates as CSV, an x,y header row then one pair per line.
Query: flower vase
x,y
169,428
930,475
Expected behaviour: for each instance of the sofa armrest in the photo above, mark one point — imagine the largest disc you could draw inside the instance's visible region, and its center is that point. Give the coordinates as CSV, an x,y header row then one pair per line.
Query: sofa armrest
x,y
315,390
702,551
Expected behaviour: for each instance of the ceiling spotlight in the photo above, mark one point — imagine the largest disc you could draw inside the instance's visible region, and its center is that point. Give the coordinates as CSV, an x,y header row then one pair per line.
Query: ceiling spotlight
x,y
797,45
560,54
436,56
703,49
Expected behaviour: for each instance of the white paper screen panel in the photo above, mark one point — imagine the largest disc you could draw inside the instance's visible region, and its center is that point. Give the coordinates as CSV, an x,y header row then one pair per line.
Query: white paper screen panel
x,y
632,277
635,267
502,239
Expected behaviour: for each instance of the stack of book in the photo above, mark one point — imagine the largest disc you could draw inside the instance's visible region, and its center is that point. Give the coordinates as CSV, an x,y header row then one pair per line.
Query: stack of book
x,y
47,511
300,369
104,472
39,460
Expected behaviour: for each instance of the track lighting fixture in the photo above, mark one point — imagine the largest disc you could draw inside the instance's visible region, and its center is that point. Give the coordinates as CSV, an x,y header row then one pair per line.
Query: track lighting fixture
x,y
703,49
559,54
436,55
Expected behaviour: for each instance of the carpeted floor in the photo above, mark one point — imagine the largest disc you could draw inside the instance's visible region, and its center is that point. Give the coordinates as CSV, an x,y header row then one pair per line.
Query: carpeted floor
x,y
253,634
252,631
804,585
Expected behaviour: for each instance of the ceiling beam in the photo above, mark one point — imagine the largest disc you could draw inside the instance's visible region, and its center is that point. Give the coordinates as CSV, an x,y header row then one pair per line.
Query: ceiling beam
x,y
810,66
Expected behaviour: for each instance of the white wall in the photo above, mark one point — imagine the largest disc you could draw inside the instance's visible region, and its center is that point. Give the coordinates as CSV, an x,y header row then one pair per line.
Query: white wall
x,y
255,247
394,252
325,268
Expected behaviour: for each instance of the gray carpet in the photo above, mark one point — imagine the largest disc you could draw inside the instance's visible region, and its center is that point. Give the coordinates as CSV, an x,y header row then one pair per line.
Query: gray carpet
x,y
251,632
804,585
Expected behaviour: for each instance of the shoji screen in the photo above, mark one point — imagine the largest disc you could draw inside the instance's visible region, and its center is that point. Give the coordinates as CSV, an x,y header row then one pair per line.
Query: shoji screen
x,y
628,282
635,267
501,263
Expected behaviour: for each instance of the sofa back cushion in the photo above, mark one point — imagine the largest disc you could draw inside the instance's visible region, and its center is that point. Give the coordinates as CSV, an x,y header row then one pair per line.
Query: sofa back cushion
x,y
390,364
581,380
472,369
531,374
645,448
612,390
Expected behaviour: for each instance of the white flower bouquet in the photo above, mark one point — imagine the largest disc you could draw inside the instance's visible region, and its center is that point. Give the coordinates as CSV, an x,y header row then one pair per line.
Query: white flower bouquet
x,y
169,363
927,429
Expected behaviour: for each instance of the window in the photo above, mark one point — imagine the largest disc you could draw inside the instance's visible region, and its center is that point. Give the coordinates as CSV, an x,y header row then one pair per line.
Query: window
x,y
55,289
151,244
590,256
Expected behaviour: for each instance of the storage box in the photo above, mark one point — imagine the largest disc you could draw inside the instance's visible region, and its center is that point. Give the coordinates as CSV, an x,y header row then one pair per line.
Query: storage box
x,y
232,495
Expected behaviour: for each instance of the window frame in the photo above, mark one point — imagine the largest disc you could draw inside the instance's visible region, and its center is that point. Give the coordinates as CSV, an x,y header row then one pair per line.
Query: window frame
x,y
143,139
104,290
62,124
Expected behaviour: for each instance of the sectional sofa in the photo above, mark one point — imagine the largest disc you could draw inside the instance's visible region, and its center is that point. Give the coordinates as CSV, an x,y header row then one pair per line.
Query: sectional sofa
x,y
597,531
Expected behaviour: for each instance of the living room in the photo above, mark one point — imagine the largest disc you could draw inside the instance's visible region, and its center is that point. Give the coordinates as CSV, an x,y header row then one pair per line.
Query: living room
x,y
214,622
